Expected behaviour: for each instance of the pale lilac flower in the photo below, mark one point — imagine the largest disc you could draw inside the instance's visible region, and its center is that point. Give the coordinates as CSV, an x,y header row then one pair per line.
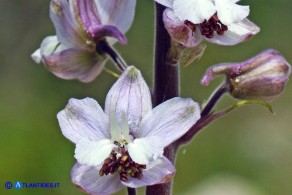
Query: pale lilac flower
x,y
261,77
123,145
80,25
221,22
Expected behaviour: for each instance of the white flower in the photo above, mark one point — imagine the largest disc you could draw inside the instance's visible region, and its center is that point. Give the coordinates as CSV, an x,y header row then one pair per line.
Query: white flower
x,y
124,144
218,21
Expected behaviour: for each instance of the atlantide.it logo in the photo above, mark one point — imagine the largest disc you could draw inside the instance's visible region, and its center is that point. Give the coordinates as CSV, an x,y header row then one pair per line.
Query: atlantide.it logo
x,y
19,185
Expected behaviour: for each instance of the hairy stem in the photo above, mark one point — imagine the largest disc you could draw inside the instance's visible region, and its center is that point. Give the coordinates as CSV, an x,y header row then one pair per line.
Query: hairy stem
x,y
166,86
131,191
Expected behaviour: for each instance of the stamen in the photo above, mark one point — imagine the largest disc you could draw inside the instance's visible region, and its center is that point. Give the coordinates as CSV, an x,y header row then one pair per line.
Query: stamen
x,y
120,161
208,28
213,25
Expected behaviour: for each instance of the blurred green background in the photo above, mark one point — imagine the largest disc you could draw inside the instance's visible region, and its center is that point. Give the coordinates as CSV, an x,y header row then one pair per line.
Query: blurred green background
x,y
246,152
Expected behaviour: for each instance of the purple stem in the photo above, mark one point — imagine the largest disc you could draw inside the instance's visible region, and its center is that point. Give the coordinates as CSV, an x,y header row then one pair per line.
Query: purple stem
x,y
131,191
166,86
206,115
223,88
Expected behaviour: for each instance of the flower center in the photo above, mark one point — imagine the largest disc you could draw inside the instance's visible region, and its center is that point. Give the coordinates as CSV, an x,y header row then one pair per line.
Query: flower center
x,y
120,161
208,28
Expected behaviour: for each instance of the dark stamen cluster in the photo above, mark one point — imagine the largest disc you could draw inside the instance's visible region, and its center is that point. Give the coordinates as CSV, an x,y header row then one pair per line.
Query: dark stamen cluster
x,y
212,25
121,161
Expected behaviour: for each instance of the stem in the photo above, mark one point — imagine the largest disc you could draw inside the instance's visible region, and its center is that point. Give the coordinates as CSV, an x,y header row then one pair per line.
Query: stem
x,y
166,77
103,47
223,88
166,86
131,191
206,115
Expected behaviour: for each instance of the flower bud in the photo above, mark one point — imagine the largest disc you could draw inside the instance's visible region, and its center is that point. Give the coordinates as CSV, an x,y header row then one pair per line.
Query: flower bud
x,y
261,77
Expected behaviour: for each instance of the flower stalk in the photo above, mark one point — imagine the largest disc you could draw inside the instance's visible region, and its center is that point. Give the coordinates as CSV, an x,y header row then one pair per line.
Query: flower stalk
x,y
103,47
221,90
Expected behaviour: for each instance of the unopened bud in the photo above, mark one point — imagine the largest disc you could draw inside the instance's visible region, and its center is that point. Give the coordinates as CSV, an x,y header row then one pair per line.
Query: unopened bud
x,y
261,77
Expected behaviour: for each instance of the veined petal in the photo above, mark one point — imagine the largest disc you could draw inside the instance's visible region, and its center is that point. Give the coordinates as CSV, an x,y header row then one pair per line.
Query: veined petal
x,y
195,11
179,31
83,119
93,153
119,13
170,120
75,64
156,172
86,12
109,31
228,12
166,3
130,95
70,33
237,33
119,132
87,179
146,149
266,88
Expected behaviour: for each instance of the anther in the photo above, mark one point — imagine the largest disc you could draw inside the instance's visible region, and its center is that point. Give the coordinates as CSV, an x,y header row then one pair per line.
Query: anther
x,y
120,161
124,158
209,27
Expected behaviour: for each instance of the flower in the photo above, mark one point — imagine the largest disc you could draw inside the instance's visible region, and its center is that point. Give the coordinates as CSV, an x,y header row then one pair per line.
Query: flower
x,y
261,77
80,26
221,22
123,145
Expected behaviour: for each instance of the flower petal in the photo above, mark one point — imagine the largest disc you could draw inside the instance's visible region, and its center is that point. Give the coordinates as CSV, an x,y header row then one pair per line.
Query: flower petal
x,y
215,70
130,95
237,33
119,133
166,3
228,12
75,64
51,45
36,56
119,13
146,149
83,119
93,153
87,12
195,11
110,31
170,120
70,33
157,172
179,31
87,179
